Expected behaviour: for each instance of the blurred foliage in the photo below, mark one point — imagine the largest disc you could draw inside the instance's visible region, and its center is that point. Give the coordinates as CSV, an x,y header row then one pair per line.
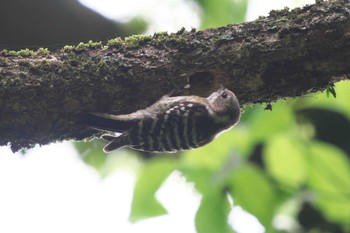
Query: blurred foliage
x,y
222,12
150,179
291,162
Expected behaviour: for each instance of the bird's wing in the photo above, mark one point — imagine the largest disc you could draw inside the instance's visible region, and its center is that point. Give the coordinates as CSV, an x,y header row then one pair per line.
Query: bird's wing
x,y
166,104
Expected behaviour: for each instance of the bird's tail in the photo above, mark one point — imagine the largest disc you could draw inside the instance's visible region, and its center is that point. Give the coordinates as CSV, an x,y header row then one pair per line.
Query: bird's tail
x,y
106,122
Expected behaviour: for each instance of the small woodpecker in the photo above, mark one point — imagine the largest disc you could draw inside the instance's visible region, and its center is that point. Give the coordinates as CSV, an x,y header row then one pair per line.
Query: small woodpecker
x,y
171,124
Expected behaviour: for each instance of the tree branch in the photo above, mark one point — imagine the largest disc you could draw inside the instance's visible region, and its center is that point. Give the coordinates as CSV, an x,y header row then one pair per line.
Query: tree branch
x,y
287,54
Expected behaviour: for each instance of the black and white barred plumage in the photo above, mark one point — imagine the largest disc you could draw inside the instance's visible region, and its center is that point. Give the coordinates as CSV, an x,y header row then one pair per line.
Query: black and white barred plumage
x,y
171,124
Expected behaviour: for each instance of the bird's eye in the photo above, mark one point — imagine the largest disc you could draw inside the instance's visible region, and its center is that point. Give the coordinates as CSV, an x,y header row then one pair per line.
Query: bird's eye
x,y
224,95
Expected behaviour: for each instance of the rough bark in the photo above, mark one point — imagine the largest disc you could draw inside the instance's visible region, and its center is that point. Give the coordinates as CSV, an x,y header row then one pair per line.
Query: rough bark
x,y
289,53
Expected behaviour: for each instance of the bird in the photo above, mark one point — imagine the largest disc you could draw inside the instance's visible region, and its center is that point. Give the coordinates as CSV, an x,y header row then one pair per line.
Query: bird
x,y
172,124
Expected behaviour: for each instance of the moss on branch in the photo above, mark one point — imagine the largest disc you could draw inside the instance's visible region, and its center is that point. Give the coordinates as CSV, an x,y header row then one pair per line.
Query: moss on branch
x,y
289,53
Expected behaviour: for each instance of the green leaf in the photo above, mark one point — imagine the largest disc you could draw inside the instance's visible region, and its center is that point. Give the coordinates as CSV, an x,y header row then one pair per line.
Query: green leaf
x,y
329,171
266,124
341,104
330,90
199,176
242,140
222,12
213,155
253,191
212,215
92,153
239,13
284,159
144,203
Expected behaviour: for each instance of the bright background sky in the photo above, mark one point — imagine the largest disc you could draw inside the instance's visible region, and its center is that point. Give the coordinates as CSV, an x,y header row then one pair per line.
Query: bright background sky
x,y
51,190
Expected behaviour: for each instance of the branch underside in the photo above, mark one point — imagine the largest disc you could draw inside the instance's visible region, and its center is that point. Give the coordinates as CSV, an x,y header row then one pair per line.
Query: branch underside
x,y
287,54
